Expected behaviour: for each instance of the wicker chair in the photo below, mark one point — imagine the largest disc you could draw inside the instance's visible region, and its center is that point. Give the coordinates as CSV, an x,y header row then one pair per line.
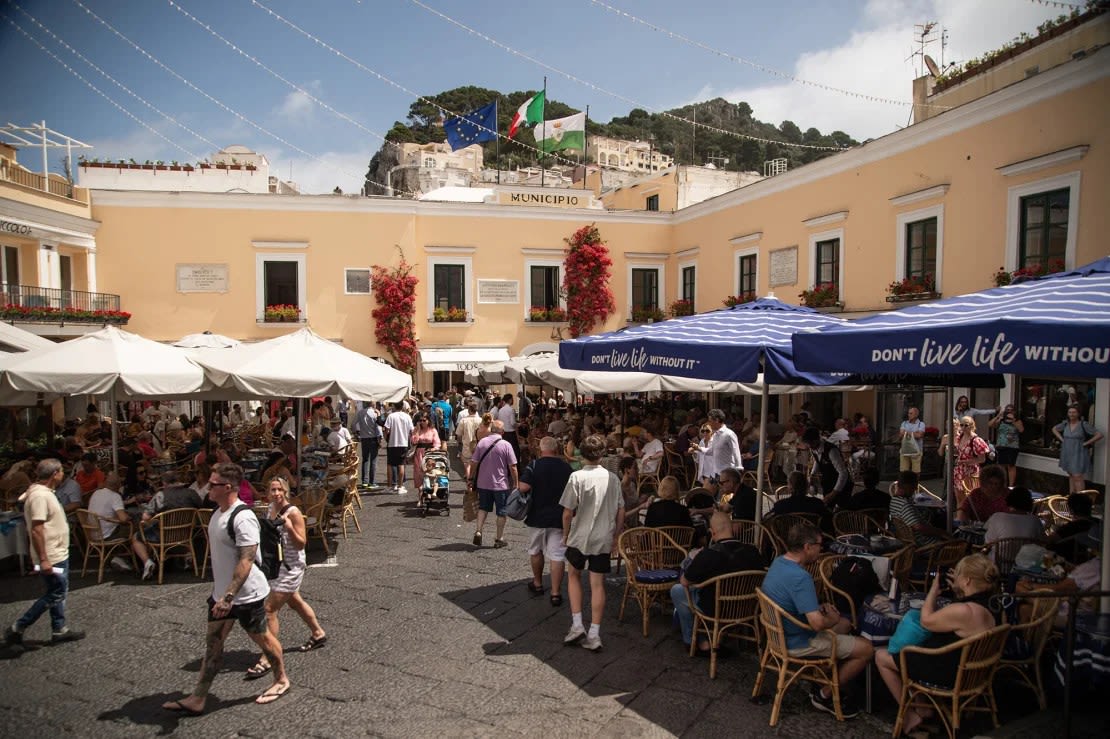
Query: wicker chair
x,y
942,554
204,517
864,523
1034,634
825,567
175,537
901,530
819,670
318,522
734,607
750,532
676,465
650,571
780,525
95,541
901,562
1004,551
979,658
1060,510
682,535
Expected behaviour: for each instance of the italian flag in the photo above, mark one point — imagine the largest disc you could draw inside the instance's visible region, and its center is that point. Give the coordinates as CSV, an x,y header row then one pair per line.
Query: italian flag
x,y
528,114
562,133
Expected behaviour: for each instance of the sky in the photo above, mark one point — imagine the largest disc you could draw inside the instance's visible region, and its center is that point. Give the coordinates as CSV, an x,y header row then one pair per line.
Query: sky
x,y
384,52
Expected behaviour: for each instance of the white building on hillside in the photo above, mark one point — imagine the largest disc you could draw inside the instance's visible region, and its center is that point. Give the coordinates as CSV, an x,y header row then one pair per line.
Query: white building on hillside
x,y
630,156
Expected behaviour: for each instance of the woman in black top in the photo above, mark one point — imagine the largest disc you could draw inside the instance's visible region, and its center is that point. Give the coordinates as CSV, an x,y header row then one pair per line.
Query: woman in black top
x,y
666,510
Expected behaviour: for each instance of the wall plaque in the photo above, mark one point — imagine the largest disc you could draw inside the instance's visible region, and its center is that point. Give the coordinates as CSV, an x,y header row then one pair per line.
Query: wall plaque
x,y
784,266
499,291
202,278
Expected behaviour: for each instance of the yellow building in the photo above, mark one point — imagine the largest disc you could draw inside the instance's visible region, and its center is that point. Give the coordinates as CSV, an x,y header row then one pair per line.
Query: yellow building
x,y
1012,179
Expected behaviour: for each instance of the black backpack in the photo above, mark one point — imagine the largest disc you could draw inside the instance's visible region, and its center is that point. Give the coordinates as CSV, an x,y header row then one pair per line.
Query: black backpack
x,y
856,577
270,553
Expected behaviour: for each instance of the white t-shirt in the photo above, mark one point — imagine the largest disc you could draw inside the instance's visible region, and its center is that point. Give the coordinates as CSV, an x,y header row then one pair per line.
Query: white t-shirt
x,y
839,436
653,447
225,555
398,426
594,494
1007,525
104,503
507,415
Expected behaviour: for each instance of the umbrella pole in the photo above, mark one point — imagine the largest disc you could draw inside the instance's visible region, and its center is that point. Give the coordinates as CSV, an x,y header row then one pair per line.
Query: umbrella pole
x,y
949,464
762,450
115,431
1104,601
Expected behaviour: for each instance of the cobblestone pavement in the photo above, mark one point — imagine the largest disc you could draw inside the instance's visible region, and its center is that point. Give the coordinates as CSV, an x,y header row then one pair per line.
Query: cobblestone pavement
x,y
428,636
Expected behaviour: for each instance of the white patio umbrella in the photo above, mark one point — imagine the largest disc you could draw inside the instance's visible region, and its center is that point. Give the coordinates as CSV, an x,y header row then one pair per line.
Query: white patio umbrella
x,y
302,365
19,340
206,340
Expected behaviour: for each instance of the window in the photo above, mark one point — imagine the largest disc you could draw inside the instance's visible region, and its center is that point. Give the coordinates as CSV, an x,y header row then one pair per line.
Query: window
x,y
10,266
65,272
429,163
689,283
1043,235
545,286
280,280
357,281
449,286
652,202
747,275
827,262
645,288
921,249
1042,403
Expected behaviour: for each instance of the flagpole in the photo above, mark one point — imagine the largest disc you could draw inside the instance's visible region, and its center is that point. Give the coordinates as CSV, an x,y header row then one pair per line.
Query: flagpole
x,y
543,117
497,140
585,147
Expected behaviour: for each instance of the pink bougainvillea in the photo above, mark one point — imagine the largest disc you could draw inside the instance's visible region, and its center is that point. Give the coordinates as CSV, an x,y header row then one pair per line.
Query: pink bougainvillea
x,y
586,280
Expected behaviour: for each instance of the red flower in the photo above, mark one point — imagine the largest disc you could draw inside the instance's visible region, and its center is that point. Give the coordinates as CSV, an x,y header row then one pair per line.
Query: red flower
x,y
395,292
586,280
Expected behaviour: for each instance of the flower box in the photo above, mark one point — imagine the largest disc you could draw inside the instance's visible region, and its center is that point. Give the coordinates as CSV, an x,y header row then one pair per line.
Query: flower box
x,y
823,295
912,297
832,308
646,315
734,300
282,314
450,315
1002,277
46,314
681,308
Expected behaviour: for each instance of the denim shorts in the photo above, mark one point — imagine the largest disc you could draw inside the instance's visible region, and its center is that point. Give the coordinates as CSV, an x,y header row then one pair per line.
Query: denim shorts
x,y
487,499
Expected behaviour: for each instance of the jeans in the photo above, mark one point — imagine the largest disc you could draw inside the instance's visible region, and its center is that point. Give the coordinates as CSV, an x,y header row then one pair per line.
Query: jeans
x,y
682,610
369,448
55,599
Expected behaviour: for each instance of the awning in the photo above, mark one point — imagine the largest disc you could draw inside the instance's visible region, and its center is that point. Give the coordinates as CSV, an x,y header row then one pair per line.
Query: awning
x,y
462,359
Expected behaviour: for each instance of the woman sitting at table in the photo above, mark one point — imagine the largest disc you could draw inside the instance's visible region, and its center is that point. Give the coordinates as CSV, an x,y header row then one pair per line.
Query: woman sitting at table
x,y
973,580
634,503
666,510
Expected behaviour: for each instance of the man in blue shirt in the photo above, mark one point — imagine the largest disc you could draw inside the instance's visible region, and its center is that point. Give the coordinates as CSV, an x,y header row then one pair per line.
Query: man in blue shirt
x,y
790,586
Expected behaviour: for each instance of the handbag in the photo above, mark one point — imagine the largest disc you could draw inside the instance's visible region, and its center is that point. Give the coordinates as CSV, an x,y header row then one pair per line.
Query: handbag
x,y
470,505
518,504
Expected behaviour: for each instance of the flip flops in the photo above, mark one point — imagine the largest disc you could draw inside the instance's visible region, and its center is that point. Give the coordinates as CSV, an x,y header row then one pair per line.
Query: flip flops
x,y
259,670
179,707
274,693
313,643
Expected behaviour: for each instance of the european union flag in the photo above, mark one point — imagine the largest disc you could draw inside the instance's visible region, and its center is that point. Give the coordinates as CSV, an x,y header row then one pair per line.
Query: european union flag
x,y
472,128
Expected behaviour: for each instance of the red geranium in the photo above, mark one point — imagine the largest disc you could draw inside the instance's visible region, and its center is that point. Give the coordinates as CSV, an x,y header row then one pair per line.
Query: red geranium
x,y
395,292
586,280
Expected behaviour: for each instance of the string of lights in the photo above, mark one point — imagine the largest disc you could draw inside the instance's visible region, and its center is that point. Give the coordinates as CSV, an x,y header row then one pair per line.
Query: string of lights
x,y
223,106
109,77
598,88
1054,4
96,89
756,65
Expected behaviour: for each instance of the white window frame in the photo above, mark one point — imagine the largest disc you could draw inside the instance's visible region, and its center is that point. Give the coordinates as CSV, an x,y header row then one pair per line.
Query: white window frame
x,y
528,265
260,259
836,233
1071,180
661,299
736,255
368,271
913,216
468,283
682,266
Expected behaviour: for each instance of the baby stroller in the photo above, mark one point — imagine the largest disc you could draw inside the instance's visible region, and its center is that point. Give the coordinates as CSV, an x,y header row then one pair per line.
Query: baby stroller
x,y
433,492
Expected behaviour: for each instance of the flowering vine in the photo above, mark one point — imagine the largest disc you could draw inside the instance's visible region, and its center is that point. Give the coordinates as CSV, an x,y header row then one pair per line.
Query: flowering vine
x,y
586,280
394,328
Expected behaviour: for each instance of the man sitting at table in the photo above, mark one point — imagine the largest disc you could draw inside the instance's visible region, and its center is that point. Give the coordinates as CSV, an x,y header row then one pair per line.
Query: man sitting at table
x,y
1018,521
790,586
1068,539
339,438
738,497
174,495
987,499
88,475
651,453
902,508
870,497
799,500
108,505
726,554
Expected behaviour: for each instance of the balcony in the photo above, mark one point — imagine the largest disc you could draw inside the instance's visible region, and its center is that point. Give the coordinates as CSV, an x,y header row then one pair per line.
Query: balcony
x,y
46,305
54,184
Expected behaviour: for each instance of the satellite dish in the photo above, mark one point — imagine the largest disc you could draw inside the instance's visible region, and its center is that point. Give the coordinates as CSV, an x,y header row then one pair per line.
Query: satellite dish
x,y
932,66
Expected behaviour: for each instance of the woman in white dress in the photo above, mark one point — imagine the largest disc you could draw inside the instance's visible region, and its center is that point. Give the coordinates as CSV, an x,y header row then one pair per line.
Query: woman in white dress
x,y
285,588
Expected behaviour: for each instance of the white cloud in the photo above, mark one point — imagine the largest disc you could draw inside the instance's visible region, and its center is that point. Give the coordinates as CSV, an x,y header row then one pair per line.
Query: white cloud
x,y
346,170
873,62
297,107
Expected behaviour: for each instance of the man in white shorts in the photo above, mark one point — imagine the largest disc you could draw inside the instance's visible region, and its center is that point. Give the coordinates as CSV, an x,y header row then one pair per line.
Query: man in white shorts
x,y
545,479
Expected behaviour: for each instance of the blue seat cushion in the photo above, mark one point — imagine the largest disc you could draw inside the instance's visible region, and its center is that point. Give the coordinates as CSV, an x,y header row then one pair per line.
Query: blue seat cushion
x,y
653,577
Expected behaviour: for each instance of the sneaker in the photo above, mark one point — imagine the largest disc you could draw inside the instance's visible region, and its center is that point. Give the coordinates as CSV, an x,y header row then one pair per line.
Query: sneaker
x,y
66,634
401,490
121,564
11,636
821,703
593,643
575,633
148,569
499,543
477,541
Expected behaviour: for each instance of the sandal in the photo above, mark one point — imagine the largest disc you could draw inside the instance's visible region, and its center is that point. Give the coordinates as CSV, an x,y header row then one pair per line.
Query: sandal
x,y
313,643
556,600
535,589
260,669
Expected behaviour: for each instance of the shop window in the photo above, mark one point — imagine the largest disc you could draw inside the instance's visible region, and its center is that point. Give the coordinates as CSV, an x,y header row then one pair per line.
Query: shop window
x,y
1042,403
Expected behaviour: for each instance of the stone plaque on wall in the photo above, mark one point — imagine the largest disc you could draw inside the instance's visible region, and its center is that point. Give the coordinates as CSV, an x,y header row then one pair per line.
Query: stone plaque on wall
x,y
784,266
499,291
202,278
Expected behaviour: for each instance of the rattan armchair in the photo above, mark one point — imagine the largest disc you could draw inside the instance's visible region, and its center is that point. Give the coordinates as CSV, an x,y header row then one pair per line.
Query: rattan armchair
x,y
1034,636
95,541
1005,551
979,657
204,517
650,568
682,535
819,670
173,537
780,525
864,523
933,557
734,608
825,567
750,532
318,522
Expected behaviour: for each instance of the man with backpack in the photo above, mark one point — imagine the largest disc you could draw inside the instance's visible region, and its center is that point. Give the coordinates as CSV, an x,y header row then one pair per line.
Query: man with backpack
x,y
239,591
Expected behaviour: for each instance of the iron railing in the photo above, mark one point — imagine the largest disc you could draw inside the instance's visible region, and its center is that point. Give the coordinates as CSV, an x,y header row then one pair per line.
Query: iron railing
x,y
31,303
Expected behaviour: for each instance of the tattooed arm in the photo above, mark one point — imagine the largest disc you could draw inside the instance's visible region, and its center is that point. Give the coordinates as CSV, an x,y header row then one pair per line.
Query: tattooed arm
x,y
242,568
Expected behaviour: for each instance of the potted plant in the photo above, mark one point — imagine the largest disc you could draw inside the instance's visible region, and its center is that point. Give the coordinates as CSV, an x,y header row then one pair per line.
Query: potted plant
x,y
823,295
1032,272
537,313
912,288
681,307
449,315
646,314
273,314
734,300
557,314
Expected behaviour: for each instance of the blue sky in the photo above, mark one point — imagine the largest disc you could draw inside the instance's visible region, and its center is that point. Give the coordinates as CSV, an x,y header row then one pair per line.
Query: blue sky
x,y
860,46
